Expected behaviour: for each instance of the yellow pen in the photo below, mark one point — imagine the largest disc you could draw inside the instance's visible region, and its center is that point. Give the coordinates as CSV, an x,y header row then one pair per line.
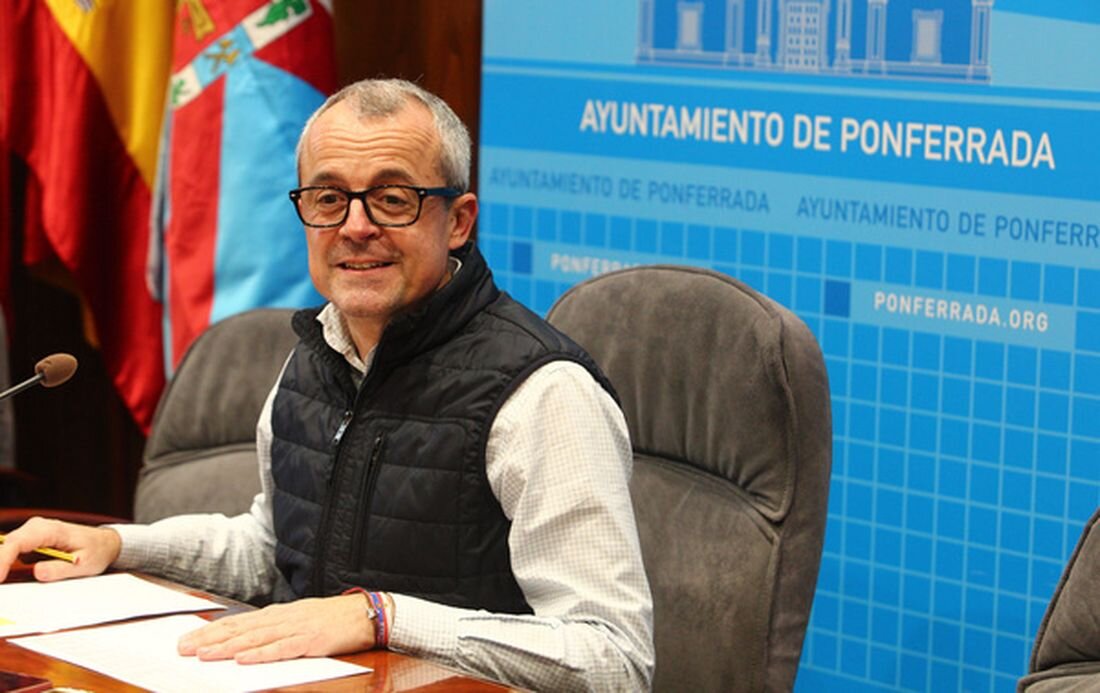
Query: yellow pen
x,y
52,553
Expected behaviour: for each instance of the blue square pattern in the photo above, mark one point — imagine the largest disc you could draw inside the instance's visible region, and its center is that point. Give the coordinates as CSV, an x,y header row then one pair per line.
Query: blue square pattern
x,y
1050,496
809,252
887,548
838,259
899,266
780,251
865,340
752,248
1015,531
1020,406
954,437
1084,460
895,346
1022,365
918,513
894,386
854,618
950,519
1088,288
1086,375
960,273
949,559
725,244
864,382
929,269
672,239
521,258
946,640
1058,284
546,227
1054,368
984,484
887,588
808,294
1019,447
956,396
869,262
985,443
495,251
698,242
595,230
884,665
924,392
992,277
989,361
951,481
1053,412
957,355
492,221
891,470
779,286
981,526
838,298
570,230
1088,331
523,224
922,432
619,234
645,236
926,350
988,400
1025,281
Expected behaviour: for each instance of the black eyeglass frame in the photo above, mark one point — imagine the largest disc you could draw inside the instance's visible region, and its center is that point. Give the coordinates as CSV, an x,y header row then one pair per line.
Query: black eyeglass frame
x,y
361,195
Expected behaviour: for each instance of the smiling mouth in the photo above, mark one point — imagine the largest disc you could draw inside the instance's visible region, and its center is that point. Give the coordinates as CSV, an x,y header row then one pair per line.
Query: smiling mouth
x,y
363,265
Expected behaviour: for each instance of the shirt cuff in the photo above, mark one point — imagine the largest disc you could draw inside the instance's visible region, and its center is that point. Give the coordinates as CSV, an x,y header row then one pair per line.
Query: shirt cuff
x,y
424,628
139,548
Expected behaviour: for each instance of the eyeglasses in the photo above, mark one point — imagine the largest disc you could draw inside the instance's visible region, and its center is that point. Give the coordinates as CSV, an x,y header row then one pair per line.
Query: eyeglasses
x,y
326,206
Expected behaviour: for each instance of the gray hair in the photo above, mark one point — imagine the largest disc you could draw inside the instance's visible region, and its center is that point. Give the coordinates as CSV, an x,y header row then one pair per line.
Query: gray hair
x,y
384,97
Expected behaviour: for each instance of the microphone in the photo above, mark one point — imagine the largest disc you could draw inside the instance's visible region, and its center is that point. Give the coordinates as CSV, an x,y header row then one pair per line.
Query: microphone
x,y
50,371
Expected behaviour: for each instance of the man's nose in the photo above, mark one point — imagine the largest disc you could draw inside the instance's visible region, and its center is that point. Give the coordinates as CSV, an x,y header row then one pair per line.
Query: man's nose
x,y
358,223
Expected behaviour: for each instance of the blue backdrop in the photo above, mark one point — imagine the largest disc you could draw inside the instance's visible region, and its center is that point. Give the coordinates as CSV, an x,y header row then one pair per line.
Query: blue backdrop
x,y
917,180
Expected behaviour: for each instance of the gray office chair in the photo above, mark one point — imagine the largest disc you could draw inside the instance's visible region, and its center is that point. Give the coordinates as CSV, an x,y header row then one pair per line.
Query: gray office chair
x,y
201,452
727,400
1066,654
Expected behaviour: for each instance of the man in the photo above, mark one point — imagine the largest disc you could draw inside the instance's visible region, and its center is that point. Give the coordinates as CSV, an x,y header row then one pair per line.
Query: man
x,y
442,472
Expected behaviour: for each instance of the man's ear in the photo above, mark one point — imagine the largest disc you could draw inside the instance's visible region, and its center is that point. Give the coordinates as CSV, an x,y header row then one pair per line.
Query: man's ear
x,y
462,215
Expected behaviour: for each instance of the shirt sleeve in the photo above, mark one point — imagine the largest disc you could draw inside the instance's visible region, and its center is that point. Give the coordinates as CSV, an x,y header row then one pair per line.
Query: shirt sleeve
x,y
559,461
233,556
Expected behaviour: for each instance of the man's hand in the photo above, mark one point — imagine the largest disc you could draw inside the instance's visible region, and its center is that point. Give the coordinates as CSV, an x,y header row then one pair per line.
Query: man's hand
x,y
94,548
305,628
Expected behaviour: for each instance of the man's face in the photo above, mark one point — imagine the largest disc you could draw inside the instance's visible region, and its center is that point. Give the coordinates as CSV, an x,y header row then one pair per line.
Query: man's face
x,y
374,273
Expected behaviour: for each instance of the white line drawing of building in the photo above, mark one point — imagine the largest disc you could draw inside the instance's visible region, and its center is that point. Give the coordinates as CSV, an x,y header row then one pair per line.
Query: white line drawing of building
x,y
945,40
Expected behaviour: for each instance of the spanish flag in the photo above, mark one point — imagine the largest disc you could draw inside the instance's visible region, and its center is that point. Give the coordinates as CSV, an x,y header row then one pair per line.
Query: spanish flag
x,y
82,90
246,74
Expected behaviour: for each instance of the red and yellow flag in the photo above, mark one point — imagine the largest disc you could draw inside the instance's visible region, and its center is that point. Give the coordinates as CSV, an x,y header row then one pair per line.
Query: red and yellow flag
x,y
82,92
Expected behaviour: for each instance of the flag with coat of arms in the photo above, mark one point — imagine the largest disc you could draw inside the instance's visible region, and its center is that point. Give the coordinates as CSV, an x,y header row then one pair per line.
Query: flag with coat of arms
x,y
245,76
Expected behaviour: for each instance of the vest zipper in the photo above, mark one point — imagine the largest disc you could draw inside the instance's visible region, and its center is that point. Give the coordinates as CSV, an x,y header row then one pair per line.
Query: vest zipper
x,y
316,581
370,478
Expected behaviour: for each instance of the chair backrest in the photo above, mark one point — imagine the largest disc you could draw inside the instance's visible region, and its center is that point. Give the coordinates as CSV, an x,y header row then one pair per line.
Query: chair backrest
x,y
201,452
1066,653
727,400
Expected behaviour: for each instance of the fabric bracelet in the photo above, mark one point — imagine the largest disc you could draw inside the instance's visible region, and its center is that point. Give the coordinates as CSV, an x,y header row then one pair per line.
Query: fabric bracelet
x,y
373,614
381,624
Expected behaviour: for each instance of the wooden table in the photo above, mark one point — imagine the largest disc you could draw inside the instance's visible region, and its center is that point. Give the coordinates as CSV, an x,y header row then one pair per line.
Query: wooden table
x,y
393,672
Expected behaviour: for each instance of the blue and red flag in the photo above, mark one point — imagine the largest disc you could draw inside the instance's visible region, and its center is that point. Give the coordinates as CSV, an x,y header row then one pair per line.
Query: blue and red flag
x,y
245,76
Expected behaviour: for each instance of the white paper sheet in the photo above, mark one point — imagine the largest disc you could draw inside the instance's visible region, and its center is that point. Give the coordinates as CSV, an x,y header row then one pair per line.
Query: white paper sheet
x,y
143,653
42,607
